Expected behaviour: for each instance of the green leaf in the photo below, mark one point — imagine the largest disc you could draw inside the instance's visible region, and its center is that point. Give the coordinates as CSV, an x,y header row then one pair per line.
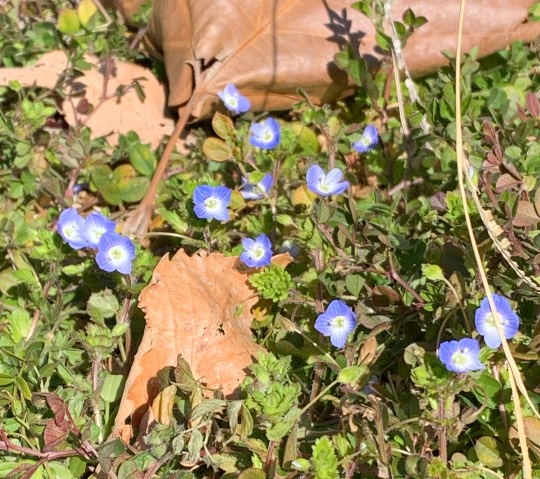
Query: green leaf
x,y
354,283
112,387
102,305
216,149
134,190
324,460
432,272
143,159
85,11
222,125
351,374
487,451
68,21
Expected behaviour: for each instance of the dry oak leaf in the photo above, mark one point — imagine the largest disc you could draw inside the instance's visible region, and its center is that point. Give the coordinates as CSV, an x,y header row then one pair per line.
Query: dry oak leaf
x,y
199,307
271,49
113,113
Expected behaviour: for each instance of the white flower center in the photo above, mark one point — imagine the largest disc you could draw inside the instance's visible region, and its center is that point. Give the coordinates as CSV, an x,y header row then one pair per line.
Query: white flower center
x,y
490,320
116,254
323,186
460,357
338,322
97,233
267,135
365,140
257,252
211,203
70,230
233,101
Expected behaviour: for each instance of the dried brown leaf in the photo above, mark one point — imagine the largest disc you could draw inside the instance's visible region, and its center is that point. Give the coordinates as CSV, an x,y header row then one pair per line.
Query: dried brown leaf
x,y
266,48
199,307
112,113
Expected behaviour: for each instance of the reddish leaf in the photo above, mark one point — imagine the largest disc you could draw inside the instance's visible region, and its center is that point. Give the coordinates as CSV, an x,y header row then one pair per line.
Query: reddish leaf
x,y
506,182
526,215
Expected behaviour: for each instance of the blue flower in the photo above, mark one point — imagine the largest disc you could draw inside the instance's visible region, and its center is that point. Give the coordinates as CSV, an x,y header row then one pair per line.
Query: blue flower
x,y
485,324
257,252
325,184
71,227
256,192
95,226
212,202
233,100
337,322
115,252
368,141
461,356
265,134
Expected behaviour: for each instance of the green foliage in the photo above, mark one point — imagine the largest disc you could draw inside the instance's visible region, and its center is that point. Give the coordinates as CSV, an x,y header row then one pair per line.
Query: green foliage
x,y
324,459
394,247
273,282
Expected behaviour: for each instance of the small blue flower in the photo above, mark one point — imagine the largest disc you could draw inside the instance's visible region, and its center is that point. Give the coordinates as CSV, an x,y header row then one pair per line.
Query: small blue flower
x,y
257,252
485,324
95,226
71,227
212,202
337,322
325,184
368,141
265,134
461,356
233,100
260,190
115,252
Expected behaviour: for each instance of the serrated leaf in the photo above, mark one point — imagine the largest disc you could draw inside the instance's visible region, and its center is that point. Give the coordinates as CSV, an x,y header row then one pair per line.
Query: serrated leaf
x,y
102,305
216,149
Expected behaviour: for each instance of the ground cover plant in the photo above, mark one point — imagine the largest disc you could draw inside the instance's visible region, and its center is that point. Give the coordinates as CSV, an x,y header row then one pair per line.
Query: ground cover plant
x,y
333,241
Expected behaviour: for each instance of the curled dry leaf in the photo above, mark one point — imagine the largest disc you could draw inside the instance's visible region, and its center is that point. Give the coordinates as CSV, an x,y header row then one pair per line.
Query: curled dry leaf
x,y
266,48
199,307
117,111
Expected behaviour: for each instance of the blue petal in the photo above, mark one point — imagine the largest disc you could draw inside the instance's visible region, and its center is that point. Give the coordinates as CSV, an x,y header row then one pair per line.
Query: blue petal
x,y
70,221
113,240
340,188
201,194
315,174
96,225
264,241
248,243
372,134
223,194
338,338
334,176
339,308
323,324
